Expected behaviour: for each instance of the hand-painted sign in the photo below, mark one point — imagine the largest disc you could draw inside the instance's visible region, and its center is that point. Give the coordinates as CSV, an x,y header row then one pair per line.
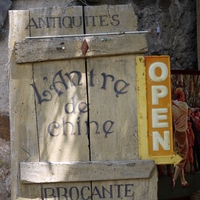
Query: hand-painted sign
x,y
73,21
74,125
160,132
159,109
60,86
104,192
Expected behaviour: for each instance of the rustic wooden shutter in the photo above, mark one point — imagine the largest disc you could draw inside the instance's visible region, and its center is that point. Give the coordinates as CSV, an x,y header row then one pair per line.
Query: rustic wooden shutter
x,y
73,105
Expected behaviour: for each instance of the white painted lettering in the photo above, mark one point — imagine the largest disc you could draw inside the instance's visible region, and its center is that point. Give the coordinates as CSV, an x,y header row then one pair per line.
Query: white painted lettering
x,y
157,115
158,91
164,71
164,142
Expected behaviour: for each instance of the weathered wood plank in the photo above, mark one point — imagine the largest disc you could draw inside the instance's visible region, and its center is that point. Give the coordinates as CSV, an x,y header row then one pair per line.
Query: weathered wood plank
x,y
116,136
110,18
60,92
80,128
116,113
36,50
130,189
56,21
118,189
67,191
113,105
24,140
61,105
60,99
49,172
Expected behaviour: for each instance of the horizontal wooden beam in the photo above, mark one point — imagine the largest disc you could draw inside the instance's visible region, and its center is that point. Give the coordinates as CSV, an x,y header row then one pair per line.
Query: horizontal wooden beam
x,y
50,172
37,50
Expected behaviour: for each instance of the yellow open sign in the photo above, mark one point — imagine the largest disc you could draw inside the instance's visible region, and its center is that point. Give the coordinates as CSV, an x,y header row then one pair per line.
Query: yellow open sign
x,y
159,112
155,129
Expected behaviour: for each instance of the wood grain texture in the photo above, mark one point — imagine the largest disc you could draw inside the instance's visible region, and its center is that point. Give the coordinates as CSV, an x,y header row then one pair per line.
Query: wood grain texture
x,y
115,137
82,135
37,50
24,140
55,21
49,172
112,18
61,124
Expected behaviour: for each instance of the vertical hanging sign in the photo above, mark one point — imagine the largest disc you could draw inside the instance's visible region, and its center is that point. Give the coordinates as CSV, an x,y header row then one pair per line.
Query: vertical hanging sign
x,y
160,135
155,110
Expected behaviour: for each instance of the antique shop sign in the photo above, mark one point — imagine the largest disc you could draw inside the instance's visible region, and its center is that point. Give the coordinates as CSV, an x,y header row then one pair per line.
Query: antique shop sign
x,y
74,125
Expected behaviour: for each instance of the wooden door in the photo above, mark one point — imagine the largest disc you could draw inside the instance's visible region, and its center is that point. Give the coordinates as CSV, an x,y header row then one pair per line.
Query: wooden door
x,y
74,105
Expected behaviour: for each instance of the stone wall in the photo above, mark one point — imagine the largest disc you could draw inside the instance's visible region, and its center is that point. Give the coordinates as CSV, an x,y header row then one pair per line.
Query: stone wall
x,y
172,26
5,176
